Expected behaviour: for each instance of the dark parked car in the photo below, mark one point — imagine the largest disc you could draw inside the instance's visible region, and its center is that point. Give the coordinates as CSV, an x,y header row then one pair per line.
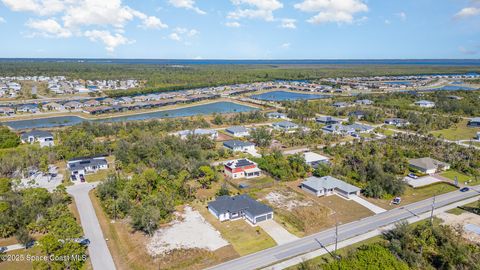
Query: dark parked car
x,y
30,244
82,178
465,189
3,249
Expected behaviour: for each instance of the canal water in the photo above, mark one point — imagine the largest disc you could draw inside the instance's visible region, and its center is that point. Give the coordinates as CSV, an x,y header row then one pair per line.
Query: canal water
x,y
204,109
286,96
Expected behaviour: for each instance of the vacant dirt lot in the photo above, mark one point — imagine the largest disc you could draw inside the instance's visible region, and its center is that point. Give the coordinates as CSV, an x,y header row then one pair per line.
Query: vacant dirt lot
x,y
459,221
188,231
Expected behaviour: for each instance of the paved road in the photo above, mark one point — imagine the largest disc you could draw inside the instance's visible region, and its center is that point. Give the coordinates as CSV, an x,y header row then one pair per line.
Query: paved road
x,y
97,250
346,231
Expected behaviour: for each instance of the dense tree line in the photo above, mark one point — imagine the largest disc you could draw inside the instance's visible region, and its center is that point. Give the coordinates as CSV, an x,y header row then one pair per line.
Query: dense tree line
x,y
240,118
432,247
377,166
168,77
8,138
419,246
166,171
36,211
282,167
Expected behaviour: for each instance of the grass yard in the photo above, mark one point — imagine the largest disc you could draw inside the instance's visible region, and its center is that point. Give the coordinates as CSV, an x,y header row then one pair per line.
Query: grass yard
x,y
325,259
343,210
21,264
244,238
451,174
102,175
458,132
412,195
129,251
299,214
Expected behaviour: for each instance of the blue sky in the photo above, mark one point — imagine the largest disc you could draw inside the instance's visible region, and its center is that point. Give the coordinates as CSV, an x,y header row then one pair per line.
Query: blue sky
x,y
241,29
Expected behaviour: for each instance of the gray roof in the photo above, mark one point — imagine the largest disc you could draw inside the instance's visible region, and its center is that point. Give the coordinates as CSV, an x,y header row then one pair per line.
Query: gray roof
x,y
329,182
338,128
424,102
238,203
236,129
327,119
236,143
427,163
276,114
361,127
476,120
80,164
285,124
197,131
36,134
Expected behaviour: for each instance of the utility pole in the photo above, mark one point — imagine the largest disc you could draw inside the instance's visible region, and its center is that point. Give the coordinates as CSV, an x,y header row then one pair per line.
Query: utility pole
x,y
433,208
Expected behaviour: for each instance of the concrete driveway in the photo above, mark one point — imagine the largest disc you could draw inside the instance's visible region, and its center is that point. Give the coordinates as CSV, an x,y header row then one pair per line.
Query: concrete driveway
x,y
372,207
98,249
277,232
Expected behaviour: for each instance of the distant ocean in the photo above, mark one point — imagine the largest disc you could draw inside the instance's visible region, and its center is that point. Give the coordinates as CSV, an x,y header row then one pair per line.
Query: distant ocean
x,y
180,62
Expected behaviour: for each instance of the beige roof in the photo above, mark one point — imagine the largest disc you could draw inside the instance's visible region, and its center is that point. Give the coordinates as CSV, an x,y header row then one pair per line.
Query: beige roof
x,y
427,163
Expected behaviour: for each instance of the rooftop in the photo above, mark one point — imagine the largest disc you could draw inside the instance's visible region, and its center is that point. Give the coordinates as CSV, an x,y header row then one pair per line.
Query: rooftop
x,y
239,203
236,143
329,182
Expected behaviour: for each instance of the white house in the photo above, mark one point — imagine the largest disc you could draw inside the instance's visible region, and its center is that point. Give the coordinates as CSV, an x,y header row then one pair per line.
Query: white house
x,y
82,166
425,104
240,207
428,165
328,185
242,168
213,134
45,138
314,159
276,115
285,126
239,146
238,131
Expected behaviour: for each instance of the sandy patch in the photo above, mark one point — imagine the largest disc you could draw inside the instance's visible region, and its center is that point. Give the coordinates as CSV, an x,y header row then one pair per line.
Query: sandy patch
x,y
459,221
286,200
190,230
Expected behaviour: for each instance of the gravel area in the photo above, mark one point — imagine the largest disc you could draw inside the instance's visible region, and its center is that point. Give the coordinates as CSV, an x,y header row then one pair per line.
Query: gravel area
x,y
462,220
190,230
286,200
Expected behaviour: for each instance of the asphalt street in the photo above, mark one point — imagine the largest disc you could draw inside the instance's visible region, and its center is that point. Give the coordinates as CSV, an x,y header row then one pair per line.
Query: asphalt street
x,y
98,249
316,241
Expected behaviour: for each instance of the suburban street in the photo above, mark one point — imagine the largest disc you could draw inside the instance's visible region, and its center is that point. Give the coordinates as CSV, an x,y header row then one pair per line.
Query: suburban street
x,y
316,241
98,249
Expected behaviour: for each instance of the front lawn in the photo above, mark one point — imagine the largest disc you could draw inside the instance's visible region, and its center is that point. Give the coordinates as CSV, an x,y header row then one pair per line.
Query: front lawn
x,y
458,132
412,195
244,238
451,174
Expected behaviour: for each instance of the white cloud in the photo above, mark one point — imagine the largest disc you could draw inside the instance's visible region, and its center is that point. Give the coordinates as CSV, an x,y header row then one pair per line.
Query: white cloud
x,y
40,7
255,9
110,40
174,36
337,11
472,10
233,24
402,15
288,23
48,28
180,33
187,4
468,12
65,18
2,20
285,46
